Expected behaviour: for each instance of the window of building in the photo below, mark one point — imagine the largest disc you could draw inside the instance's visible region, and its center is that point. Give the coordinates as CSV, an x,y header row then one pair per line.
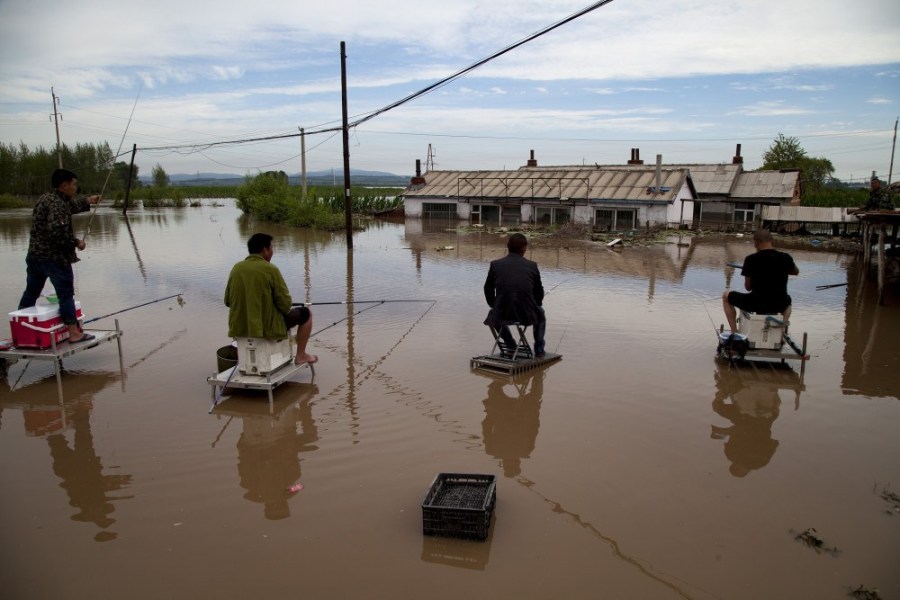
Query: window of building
x,y
609,219
551,215
439,210
744,212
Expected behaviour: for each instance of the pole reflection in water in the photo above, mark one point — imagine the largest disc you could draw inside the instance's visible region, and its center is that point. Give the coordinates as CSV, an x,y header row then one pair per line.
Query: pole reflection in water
x,y
270,445
67,429
748,397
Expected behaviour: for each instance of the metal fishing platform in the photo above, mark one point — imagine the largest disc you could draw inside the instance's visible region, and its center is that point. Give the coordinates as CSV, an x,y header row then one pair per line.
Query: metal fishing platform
x,y
788,349
497,362
58,351
514,357
234,379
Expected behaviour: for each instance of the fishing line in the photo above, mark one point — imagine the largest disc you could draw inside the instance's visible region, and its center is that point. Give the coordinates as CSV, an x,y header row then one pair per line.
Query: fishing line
x,y
377,363
347,317
568,321
87,229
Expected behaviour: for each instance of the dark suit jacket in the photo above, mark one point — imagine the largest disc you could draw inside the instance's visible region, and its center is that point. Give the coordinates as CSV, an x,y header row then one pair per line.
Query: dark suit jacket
x,y
514,291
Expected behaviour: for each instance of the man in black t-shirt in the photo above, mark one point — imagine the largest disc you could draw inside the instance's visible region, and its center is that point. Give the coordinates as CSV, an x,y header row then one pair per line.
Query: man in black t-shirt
x,y
765,278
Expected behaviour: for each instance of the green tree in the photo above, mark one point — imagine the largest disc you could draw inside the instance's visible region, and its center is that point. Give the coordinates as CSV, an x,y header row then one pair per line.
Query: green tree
x,y
160,179
120,174
784,153
787,153
816,173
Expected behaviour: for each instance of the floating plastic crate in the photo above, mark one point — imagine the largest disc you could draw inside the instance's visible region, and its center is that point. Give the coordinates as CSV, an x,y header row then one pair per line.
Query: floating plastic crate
x,y
459,505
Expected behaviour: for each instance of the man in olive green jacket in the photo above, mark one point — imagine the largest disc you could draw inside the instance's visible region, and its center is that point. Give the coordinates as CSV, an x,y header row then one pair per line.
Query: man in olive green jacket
x,y
259,301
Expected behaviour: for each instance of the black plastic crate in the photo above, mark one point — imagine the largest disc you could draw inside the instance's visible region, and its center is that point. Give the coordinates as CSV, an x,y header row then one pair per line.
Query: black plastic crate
x,y
459,505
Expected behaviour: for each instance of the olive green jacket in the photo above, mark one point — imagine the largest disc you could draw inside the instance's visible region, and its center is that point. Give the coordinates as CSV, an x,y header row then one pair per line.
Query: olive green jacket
x,y
258,299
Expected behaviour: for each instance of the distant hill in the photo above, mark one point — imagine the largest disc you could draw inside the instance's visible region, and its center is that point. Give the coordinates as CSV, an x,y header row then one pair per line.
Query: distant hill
x,y
320,178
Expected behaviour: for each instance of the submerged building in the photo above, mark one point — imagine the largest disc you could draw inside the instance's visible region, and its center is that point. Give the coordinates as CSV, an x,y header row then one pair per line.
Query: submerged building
x,y
605,197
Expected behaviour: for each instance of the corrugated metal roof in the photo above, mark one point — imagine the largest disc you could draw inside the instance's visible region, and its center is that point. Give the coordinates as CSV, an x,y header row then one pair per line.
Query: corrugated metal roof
x,y
569,184
766,184
709,180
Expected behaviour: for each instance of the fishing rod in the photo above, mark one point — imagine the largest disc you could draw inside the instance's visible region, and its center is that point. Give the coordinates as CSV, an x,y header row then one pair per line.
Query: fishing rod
x,y
222,390
87,229
819,288
355,302
180,302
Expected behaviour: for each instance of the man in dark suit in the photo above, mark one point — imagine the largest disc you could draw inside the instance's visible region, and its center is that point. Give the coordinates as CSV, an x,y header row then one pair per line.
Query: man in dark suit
x,y
514,292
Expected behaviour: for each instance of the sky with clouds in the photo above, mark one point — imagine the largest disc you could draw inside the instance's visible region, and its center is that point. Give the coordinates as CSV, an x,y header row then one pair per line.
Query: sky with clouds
x,y
687,79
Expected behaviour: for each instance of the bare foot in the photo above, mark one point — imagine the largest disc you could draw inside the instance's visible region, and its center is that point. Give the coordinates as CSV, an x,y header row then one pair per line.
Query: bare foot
x,y
302,359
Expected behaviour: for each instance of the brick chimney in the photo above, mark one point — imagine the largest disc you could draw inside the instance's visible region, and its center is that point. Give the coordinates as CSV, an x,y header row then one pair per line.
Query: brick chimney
x,y
635,157
531,161
418,179
737,159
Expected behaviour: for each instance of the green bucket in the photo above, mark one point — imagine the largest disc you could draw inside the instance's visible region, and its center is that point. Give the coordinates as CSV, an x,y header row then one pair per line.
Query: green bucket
x,y
226,357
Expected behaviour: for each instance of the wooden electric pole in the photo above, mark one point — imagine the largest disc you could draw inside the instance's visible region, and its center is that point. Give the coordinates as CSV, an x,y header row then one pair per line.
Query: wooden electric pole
x,y
348,202
56,117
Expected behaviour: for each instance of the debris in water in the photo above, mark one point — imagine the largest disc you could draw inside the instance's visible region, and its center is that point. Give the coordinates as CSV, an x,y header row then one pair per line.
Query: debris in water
x,y
811,538
442,248
892,499
864,593
295,488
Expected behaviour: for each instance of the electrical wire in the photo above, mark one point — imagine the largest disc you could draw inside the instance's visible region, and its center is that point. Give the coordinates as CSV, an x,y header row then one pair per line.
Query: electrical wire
x,y
369,116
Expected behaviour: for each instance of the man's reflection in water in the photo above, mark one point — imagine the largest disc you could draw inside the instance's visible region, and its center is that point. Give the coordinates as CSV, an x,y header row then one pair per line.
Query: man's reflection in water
x,y
511,423
748,397
268,454
90,491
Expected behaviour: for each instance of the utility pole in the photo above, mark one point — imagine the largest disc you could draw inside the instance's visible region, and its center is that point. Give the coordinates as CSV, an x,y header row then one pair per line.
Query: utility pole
x,y
303,162
348,202
56,117
893,147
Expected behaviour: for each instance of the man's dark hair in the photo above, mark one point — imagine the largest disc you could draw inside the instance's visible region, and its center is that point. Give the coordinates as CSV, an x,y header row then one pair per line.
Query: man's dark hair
x,y
61,176
258,242
517,243
762,236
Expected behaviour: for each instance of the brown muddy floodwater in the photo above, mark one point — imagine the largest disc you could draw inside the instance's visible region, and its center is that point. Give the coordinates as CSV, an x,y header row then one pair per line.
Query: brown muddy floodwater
x,y
639,466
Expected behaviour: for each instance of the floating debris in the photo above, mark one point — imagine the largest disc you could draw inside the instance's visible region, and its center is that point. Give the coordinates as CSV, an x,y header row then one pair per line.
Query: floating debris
x,y
295,488
811,538
864,593
442,248
893,501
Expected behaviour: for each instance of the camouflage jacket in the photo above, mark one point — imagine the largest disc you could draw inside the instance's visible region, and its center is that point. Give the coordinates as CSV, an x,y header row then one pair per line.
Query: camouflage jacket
x,y
879,200
52,237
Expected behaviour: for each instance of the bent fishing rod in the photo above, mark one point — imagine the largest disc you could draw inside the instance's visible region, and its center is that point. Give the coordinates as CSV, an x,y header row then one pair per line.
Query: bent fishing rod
x,y
180,302
87,228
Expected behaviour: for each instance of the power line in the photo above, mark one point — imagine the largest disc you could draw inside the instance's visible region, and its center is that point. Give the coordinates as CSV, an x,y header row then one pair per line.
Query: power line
x,y
402,101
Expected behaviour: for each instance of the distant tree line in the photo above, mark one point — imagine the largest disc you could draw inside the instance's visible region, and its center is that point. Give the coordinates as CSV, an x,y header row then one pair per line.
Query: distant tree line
x,y
25,172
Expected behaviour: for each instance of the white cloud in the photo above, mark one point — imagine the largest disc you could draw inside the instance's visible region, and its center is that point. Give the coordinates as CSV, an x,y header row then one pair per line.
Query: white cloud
x,y
769,109
235,68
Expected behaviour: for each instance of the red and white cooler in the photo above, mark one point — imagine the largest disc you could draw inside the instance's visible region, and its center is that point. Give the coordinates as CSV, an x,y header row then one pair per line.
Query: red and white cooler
x,y
37,326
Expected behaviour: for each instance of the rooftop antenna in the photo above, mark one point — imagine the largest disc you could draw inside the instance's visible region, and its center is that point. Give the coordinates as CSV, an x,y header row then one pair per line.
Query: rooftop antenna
x,y
429,162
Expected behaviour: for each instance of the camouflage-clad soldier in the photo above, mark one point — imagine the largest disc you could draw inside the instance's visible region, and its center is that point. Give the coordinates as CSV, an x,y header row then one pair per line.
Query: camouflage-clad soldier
x,y
51,249
878,199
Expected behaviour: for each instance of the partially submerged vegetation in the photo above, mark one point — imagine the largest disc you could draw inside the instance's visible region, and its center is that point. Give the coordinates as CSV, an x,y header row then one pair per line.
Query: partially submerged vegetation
x,y
269,197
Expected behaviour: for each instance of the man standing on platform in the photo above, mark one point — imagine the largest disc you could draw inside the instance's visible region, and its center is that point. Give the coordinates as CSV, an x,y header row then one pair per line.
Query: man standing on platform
x,y
260,303
51,249
514,291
